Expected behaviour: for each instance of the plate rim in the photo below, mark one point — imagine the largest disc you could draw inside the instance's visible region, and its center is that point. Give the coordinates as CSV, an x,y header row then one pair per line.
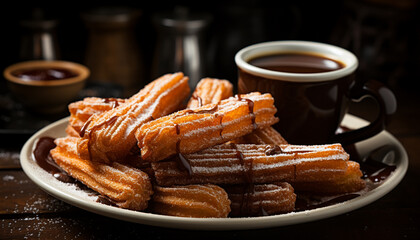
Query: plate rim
x,y
246,223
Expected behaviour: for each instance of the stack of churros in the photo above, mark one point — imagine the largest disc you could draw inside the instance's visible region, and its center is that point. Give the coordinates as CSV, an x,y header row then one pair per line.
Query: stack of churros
x,y
219,157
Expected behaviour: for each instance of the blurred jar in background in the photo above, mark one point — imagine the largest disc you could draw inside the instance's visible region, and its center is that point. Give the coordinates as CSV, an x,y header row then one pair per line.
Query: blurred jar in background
x,y
38,37
180,44
112,52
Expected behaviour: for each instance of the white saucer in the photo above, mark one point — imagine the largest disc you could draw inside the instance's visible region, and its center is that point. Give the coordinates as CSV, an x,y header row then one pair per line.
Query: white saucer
x,y
81,199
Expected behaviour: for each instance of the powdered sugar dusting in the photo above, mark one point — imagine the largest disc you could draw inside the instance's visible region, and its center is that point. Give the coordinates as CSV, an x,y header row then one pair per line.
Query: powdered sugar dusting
x,y
60,187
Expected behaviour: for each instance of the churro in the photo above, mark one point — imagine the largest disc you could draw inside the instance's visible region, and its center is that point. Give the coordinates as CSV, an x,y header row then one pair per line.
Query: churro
x,y
349,182
109,136
125,186
267,135
192,130
210,90
261,199
245,163
198,201
81,111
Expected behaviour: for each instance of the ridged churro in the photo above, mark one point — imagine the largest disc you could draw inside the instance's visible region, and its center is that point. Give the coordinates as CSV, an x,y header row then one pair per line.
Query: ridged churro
x,y
210,90
109,136
199,201
244,163
191,130
125,186
261,199
81,111
349,182
267,135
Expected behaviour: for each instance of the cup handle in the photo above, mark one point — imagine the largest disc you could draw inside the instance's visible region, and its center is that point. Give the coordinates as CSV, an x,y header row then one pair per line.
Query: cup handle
x,y
387,104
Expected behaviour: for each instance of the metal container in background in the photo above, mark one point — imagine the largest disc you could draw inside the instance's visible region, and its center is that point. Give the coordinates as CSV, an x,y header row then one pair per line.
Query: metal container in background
x,y
180,44
38,37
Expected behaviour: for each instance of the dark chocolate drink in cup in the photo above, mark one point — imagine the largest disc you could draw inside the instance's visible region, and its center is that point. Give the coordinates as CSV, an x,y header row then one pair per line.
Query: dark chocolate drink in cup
x,y
312,84
296,63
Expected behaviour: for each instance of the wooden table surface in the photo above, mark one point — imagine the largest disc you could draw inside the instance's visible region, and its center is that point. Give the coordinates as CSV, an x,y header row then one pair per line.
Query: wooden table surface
x,y
26,212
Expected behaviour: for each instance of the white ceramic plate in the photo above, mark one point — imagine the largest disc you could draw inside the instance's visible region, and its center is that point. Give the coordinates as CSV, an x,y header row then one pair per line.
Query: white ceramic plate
x,y
82,200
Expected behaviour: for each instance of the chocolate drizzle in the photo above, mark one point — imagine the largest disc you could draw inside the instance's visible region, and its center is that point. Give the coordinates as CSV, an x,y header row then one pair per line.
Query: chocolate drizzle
x,y
209,110
84,130
182,161
114,101
250,108
248,185
272,150
84,127
199,100
221,124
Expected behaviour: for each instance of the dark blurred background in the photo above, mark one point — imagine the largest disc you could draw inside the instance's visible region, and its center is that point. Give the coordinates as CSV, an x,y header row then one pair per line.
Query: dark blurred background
x,y
384,34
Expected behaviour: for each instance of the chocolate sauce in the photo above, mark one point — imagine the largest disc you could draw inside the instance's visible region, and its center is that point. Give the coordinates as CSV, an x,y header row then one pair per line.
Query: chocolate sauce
x,y
197,111
272,150
376,171
85,126
250,108
305,202
209,110
296,63
114,101
43,158
105,200
221,124
44,74
248,186
183,162
248,174
87,123
371,166
200,101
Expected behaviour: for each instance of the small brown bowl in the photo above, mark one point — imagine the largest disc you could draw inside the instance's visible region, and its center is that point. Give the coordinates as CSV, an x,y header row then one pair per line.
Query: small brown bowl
x,y
46,96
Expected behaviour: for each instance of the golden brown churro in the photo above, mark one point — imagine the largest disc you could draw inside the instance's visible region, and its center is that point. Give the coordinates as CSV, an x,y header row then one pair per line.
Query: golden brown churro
x,y
245,163
109,136
189,131
125,186
81,111
267,135
349,182
261,199
210,90
199,201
